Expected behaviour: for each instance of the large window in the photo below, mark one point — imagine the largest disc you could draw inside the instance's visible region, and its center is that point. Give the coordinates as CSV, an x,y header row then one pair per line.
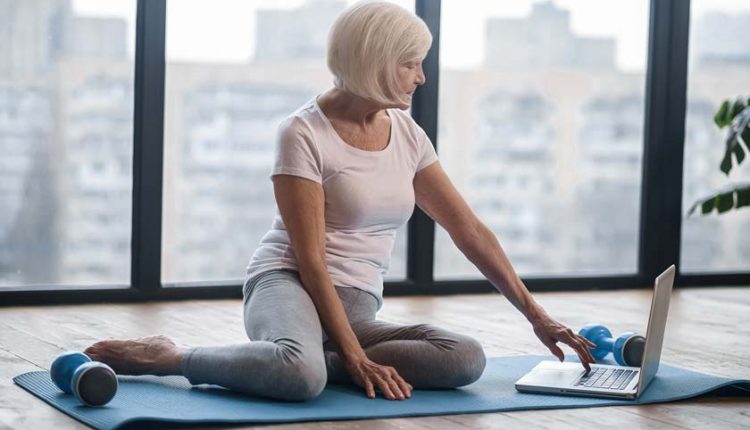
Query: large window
x,y
719,69
223,106
123,141
541,114
66,108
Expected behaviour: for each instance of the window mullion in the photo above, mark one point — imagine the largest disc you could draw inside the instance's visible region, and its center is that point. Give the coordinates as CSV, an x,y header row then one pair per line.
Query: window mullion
x,y
664,133
148,145
421,242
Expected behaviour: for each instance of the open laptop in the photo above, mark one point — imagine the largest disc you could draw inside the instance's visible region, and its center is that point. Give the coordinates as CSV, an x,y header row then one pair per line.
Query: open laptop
x,y
621,382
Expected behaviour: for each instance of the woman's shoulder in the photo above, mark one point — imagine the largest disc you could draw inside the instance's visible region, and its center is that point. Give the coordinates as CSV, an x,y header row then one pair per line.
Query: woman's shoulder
x,y
400,115
300,117
302,120
404,122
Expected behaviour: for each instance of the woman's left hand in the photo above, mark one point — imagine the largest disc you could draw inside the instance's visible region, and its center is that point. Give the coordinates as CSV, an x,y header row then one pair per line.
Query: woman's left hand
x,y
550,332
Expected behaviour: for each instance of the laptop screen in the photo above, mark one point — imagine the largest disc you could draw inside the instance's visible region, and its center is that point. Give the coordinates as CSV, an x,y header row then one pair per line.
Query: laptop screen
x,y
657,322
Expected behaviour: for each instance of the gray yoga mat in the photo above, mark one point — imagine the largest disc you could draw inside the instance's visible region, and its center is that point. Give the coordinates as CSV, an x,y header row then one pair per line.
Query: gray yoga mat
x,y
150,401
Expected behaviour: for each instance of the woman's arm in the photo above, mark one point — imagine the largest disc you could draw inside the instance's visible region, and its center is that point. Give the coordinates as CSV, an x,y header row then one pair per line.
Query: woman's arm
x,y
301,204
439,199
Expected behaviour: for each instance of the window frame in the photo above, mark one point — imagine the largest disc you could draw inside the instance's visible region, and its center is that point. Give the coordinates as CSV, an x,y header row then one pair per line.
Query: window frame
x,y
662,171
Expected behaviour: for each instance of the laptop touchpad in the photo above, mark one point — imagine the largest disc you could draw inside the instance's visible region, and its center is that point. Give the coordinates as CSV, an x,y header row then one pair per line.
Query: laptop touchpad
x,y
554,374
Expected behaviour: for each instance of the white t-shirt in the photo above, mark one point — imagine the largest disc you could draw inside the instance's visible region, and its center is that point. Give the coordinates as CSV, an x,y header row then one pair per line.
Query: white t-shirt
x,y
368,195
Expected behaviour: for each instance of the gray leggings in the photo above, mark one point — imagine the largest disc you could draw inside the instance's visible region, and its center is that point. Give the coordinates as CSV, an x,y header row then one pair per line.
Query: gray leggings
x,y
291,358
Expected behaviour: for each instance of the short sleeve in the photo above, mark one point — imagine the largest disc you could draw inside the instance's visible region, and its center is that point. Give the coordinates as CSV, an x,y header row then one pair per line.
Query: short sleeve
x,y
427,154
296,153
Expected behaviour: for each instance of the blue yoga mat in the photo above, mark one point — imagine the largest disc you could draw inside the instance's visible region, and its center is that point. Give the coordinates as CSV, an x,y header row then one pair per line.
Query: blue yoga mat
x,y
149,400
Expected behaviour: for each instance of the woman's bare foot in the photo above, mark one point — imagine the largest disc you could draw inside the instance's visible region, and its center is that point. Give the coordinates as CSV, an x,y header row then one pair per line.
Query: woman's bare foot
x,y
153,355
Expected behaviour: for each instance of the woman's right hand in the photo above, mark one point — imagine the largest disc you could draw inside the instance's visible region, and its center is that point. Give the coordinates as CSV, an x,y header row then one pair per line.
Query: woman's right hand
x,y
369,375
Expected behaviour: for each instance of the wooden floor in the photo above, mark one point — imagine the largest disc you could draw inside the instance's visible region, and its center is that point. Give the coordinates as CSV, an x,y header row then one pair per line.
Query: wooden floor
x,y
708,330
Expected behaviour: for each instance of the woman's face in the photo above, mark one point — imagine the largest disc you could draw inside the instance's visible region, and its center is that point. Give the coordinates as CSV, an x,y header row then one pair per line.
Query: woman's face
x,y
410,76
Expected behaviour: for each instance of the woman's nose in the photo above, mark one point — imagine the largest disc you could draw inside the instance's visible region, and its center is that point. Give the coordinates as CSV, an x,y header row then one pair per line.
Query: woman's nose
x,y
420,78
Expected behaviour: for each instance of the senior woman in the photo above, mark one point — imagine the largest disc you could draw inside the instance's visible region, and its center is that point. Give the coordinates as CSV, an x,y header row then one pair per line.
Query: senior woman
x,y
350,165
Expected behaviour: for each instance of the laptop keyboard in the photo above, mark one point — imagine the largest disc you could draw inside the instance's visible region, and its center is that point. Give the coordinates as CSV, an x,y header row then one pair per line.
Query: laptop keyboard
x,y
603,377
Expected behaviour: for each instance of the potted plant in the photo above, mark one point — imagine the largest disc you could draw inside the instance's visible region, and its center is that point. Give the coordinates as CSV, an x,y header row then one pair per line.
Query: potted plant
x,y
735,115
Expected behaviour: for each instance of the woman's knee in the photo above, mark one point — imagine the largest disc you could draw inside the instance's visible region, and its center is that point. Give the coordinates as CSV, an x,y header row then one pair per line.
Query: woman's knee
x,y
476,360
466,361
301,376
306,381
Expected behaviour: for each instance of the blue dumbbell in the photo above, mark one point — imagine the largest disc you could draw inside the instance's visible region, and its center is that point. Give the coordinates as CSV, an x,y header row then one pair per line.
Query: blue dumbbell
x,y
627,348
92,382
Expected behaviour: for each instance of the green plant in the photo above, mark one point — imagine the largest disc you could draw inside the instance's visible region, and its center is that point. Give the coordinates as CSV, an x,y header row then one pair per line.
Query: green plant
x,y
735,115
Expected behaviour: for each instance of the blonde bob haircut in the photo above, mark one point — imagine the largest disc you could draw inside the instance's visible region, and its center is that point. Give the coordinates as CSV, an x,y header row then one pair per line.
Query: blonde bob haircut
x,y
366,44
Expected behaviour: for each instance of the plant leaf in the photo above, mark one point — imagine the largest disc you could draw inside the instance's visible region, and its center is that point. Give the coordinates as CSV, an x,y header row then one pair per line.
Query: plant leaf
x,y
737,107
725,202
721,115
739,122
743,197
744,136
726,161
708,205
735,197
739,152
737,136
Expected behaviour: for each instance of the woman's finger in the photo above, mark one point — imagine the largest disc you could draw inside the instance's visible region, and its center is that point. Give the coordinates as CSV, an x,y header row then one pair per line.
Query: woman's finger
x,y
402,384
369,387
393,384
583,354
588,352
555,350
589,343
405,387
581,348
588,349
577,342
586,355
396,383
384,386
